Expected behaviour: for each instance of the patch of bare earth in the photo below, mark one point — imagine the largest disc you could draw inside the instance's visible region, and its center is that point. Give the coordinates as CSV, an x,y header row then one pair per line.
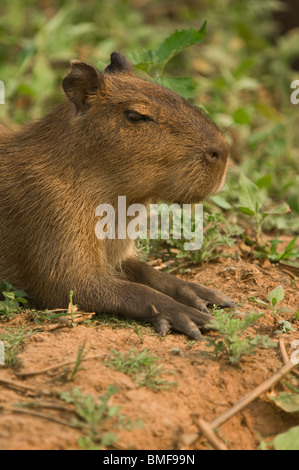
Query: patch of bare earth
x,y
206,387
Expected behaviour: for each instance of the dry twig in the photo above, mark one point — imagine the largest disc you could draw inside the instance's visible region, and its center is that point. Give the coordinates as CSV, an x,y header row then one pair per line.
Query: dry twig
x,y
56,366
22,388
210,435
251,396
11,409
283,351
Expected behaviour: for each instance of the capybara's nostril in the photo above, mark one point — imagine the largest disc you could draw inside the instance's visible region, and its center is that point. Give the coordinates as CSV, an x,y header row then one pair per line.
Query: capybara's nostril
x,y
218,152
214,154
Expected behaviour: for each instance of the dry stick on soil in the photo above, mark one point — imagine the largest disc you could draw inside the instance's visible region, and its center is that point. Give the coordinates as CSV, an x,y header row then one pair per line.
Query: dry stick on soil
x,y
284,354
62,322
48,405
293,271
251,396
10,409
283,351
210,435
67,321
23,388
56,366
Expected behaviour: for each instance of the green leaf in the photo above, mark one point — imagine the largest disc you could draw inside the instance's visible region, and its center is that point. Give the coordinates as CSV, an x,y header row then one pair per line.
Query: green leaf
x,y
6,286
288,252
276,147
285,326
221,202
262,135
246,210
178,41
273,245
184,86
142,58
250,198
20,293
278,210
9,295
293,201
265,181
241,116
258,301
108,438
288,440
276,295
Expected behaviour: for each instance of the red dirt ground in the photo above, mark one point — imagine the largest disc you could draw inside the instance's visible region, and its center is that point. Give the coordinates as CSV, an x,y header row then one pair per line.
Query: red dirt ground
x,y
206,386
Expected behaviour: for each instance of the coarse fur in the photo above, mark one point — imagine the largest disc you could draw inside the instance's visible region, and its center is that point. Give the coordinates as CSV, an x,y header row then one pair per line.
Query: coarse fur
x,y
114,134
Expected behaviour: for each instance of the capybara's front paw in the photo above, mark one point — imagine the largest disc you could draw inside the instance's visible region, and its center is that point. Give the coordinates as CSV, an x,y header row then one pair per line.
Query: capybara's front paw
x,y
181,318
199,297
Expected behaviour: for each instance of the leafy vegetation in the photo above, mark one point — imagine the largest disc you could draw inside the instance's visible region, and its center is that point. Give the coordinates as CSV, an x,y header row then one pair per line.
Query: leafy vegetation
x,y
13,299
141,367
226,58
288,401
233,344
13,340
217,232
229,53
274,297
97,418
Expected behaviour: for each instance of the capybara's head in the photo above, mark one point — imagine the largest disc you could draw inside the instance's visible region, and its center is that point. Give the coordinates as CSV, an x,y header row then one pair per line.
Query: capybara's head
x,y
153,143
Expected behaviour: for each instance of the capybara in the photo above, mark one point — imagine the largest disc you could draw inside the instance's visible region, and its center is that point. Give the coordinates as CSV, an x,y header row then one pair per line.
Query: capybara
x,y
114,134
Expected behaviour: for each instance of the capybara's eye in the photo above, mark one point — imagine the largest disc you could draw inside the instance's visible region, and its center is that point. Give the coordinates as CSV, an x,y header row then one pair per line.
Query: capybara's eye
x,y
134,116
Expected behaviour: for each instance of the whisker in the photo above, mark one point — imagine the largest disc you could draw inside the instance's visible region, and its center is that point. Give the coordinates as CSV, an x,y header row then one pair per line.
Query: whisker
x,y
233,170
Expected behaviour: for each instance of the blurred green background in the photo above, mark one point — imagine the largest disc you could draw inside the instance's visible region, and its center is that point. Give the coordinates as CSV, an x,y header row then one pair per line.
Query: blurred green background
x,y
241,74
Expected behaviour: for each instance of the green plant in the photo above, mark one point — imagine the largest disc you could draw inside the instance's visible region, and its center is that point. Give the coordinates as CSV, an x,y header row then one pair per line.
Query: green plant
x,y
288,440
13,339
233,344
76,368
288,401
153,62
97,418
275,296
290,252
217,232
284,327
40,316
141,367
12,299
251,202
71,301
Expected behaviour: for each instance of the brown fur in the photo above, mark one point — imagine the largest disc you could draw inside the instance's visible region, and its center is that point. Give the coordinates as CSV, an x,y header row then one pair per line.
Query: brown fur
x,y
56,171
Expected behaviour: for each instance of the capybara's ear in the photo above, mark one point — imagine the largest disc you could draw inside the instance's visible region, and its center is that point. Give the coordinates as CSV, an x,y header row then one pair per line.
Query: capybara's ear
x,y
119,64
82,81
